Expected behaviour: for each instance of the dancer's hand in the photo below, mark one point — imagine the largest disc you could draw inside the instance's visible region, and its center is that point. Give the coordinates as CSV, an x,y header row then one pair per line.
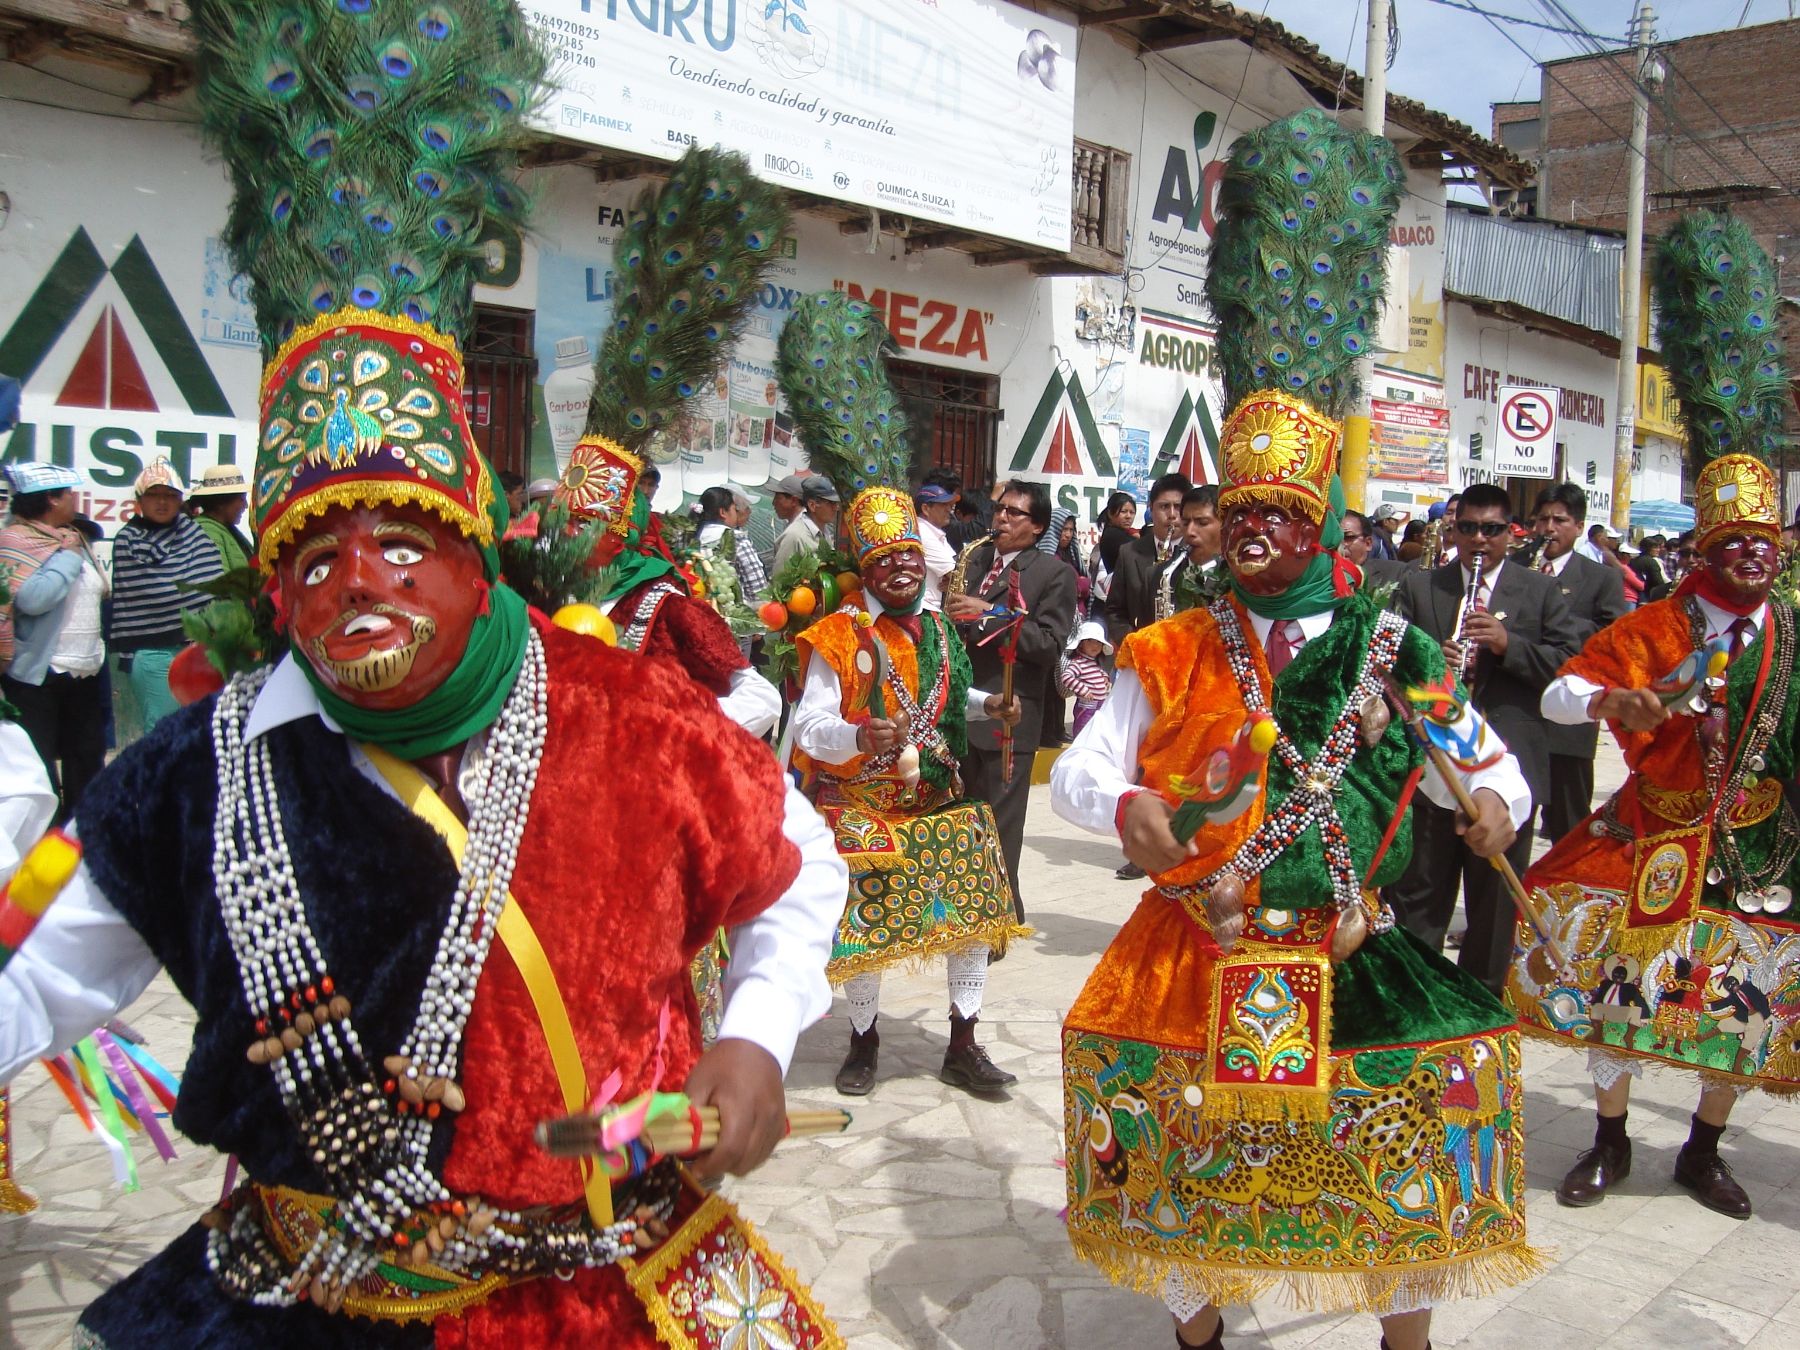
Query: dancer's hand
x,y
1491,833
1148,840
743,1080
1633,709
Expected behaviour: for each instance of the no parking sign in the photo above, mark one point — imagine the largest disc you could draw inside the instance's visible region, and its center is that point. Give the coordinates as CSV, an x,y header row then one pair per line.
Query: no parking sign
x,y
1526,444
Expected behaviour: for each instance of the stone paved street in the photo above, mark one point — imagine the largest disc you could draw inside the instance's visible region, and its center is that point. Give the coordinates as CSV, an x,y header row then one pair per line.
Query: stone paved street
x,y
934,1221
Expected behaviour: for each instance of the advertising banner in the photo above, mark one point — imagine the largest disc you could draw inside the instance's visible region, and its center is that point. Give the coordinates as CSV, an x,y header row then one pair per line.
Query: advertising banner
x,y
953,111
1409,441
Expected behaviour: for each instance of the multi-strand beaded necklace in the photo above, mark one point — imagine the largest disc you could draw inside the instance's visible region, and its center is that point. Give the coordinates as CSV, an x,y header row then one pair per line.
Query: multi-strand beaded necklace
x,y
368,1133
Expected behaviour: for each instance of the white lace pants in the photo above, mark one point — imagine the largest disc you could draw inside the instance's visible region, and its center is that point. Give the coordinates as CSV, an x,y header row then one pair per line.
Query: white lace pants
x,y
965,969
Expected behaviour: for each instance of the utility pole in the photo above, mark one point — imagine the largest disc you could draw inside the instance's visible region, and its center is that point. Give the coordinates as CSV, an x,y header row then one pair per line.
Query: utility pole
x,y
1642,31
1354,465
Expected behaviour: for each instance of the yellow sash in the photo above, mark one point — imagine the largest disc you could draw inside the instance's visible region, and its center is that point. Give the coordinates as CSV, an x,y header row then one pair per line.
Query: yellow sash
x,y
521,942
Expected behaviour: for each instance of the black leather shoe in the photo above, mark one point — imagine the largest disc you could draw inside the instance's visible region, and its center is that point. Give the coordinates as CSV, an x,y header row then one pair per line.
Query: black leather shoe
x,y
1130,872
1710,1179
856,1076
969,1067
1594,1173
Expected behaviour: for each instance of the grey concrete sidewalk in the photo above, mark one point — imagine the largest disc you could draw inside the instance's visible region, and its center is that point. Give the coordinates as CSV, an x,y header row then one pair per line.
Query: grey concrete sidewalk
x,y
934,1222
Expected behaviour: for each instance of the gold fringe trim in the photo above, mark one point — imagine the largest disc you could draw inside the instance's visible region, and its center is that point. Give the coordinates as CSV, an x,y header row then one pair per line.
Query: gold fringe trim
x,y
1266,1104
353,492
1709,1077
914,957
644,1275
13,1200
1645,944
1475,1275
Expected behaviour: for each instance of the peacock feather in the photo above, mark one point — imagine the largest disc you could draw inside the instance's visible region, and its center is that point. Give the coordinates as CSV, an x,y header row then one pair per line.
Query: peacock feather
x,y
832,368
688,265
371,145
1715,301
1298,264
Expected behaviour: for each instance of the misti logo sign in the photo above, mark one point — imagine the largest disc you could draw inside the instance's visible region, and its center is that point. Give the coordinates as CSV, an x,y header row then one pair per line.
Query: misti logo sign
x,y
113,376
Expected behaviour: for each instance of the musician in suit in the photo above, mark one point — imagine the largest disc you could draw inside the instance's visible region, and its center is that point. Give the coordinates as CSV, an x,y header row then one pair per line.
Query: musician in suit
x,y
1506,629
1047,592
1595,595
1131,603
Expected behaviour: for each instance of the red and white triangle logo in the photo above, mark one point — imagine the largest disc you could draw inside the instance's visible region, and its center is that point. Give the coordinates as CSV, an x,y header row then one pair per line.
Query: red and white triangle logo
x,y
108,373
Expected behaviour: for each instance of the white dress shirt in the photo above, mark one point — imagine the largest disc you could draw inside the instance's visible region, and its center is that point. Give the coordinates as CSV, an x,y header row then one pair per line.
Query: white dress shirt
x,y
1102,765
1589,550
1567,697
84,963
819,725
940,561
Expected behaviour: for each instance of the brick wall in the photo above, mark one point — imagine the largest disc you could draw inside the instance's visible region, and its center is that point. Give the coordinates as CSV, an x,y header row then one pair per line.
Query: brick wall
x,y
1748,77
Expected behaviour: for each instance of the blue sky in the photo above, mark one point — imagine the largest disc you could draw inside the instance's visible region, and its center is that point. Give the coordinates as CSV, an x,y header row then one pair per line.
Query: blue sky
x,y
1455,62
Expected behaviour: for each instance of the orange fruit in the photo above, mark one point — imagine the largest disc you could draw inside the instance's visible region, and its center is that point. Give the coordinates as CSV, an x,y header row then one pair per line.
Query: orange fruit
x,y
848,581
587,620
802,601
773,616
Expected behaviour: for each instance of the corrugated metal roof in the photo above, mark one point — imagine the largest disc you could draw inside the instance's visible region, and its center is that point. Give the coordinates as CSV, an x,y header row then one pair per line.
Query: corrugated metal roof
x,y
1566,272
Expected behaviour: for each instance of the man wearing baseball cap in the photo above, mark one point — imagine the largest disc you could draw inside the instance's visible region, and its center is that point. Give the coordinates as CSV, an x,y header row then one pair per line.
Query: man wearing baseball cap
x,y
935,503
1388,519
818,512
787,497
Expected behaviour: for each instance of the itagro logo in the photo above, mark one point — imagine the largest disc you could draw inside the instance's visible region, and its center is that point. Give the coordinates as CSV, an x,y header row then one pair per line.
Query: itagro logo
x,y
789,168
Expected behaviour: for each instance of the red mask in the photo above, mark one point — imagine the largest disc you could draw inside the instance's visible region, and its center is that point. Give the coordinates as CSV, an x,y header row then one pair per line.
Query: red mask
x,y
381,600
896,579
1268,548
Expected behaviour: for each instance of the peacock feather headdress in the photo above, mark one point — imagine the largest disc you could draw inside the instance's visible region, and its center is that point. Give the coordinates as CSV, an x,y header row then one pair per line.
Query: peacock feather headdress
x,y
370,145
831,365
688,265
1295,279
1715,293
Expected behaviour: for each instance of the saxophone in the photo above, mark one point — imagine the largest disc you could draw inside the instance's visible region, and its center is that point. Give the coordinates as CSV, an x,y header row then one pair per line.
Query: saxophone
x,y
957,583
1433,552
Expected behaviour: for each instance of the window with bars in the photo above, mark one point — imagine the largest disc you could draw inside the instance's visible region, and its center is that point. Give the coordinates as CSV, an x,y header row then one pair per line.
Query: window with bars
x,y
953,418
499,386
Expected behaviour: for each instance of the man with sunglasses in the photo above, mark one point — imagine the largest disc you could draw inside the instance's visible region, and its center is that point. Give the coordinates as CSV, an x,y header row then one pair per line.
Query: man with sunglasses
x,y
1505,630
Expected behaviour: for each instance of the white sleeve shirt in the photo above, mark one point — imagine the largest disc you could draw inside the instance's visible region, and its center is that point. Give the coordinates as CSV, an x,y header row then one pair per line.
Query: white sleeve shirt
x,y
84,963
1101,766
1566,698
819,725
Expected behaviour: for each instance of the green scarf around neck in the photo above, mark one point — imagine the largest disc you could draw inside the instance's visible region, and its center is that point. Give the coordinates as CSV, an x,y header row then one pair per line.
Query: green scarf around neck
x,y
459,707
1314,592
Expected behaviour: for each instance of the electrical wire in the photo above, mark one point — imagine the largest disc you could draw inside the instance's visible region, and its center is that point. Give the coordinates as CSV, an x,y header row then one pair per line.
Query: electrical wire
x,y
1469,8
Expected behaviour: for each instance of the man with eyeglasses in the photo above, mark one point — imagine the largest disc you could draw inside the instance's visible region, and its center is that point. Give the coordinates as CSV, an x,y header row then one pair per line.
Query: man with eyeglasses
x,y
1595,595
1047,594
1505,630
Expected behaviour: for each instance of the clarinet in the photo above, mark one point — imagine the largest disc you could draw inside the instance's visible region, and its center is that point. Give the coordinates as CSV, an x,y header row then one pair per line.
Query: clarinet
x,y
1467,666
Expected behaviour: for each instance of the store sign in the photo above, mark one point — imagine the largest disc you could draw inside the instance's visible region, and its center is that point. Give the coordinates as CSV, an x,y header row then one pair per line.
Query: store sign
x,y
114,377
1525,444
956,111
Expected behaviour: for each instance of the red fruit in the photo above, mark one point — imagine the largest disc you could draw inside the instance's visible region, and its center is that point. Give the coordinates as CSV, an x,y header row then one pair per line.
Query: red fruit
x,y
191,675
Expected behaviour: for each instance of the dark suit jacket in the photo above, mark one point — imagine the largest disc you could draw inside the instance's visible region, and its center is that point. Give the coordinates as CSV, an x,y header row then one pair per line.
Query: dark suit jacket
x,y
1047,587
1385,571
1131,603
1541,635
1595,595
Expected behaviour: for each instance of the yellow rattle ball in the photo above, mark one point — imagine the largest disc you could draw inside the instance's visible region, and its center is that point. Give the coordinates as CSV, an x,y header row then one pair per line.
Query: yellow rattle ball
x,y
588,621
